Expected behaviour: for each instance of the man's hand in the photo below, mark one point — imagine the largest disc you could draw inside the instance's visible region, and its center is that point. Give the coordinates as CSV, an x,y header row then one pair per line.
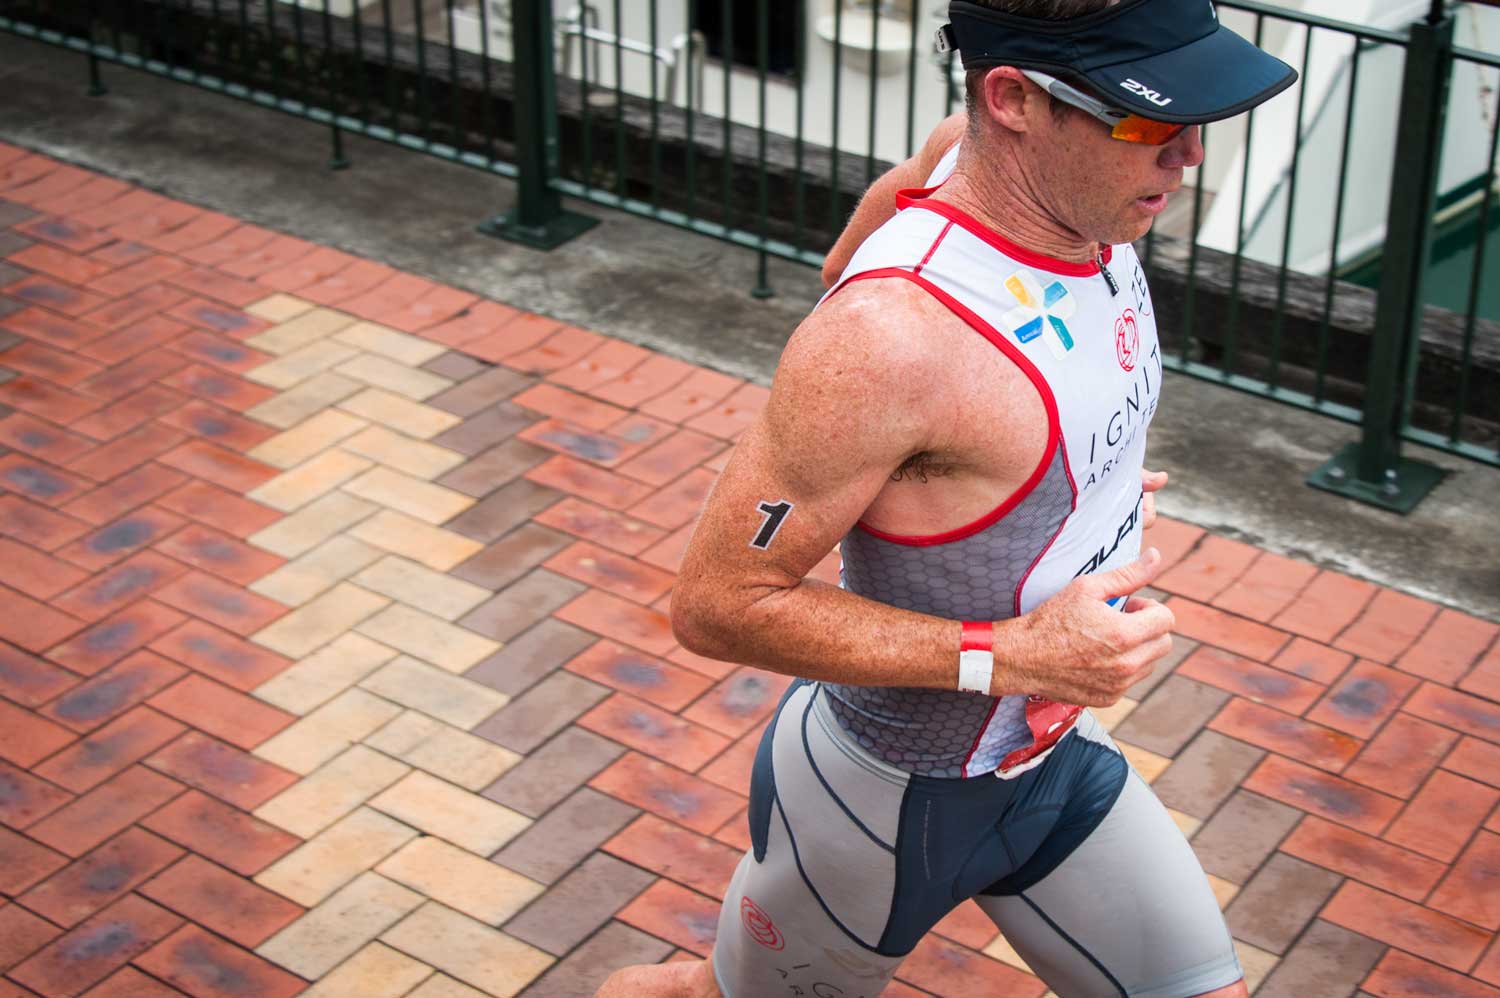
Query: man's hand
x,y
1151,483
1077,649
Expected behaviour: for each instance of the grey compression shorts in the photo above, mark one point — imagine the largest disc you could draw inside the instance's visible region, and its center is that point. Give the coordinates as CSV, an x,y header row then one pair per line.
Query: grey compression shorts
x,y
853,861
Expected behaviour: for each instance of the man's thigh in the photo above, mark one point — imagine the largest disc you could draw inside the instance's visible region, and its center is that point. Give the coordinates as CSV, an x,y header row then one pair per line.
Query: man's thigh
x,y
804,919
1129,912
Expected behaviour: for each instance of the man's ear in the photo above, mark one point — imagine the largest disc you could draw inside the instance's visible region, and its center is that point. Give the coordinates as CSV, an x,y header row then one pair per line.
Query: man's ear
x,y
1005,92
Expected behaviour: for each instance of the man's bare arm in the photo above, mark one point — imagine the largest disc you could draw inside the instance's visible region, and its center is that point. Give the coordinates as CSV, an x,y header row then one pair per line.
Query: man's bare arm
x,y
856,395
878,203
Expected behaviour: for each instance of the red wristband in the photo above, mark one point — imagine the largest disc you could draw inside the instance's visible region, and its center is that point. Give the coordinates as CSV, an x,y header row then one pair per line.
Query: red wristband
x,y
976,657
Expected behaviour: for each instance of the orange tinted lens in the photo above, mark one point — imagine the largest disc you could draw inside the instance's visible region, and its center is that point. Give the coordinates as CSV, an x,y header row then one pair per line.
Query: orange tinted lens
x,y
1146,131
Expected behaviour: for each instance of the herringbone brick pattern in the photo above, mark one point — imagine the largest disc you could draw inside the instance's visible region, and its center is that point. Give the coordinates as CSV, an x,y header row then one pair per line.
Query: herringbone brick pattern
x,y
334,657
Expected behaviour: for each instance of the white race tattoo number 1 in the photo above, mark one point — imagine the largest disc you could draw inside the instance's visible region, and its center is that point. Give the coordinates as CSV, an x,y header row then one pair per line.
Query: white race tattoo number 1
x,y
775,516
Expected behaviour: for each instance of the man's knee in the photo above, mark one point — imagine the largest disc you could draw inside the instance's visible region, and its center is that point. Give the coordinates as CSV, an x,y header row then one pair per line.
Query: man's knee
x,y
1237,990
686,979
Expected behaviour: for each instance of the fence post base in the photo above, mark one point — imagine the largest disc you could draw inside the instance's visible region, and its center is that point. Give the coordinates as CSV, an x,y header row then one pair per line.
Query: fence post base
x,y
1373,470
1404,486
547,235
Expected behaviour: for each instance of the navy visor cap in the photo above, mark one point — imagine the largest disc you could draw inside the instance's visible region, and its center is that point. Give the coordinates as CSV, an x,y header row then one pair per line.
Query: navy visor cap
x,y
1169,60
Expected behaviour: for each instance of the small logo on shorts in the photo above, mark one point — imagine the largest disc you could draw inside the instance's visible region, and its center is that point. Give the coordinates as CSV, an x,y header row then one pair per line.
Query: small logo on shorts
x,y
1127,341
759,925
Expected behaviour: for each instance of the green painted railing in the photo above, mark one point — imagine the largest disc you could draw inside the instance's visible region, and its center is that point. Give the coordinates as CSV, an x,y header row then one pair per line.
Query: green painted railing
x,y
760,122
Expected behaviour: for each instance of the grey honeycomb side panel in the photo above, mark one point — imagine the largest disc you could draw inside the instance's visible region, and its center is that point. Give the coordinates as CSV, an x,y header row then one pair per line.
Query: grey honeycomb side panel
x,y
975,578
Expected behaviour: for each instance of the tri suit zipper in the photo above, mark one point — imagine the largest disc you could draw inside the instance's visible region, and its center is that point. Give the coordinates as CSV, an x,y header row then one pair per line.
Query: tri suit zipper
x,y
1114,288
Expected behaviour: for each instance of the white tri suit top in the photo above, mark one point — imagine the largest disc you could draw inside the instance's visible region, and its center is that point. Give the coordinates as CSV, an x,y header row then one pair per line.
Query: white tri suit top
x,y
1085,335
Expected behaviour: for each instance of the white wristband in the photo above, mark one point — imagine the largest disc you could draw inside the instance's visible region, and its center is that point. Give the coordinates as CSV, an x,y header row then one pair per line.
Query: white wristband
x,y
976,658
976,671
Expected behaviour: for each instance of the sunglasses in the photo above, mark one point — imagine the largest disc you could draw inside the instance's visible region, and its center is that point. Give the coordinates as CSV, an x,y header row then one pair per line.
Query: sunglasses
x,y
1123,126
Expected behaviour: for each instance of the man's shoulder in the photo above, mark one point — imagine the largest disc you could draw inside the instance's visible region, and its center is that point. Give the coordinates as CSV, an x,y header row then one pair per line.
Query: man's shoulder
x,y
885,320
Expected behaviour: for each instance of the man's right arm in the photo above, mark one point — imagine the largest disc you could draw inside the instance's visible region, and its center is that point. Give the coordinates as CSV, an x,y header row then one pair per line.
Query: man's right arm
x,y
878,204
855,395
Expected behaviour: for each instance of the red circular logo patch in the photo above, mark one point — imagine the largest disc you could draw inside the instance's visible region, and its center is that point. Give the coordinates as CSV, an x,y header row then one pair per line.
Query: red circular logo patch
x,y
1127,341
759,925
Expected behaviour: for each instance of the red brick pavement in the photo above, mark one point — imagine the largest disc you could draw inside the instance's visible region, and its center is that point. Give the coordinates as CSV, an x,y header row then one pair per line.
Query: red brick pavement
x,y
1333,746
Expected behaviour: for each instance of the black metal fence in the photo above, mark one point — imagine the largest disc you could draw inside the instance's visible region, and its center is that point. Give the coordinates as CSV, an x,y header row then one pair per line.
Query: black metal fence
x,y
1294,268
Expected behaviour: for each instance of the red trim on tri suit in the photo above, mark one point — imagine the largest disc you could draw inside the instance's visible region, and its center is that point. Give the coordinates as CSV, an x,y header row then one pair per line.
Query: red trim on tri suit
x,y
1072,487
933,248
979,736
920,197
1054,424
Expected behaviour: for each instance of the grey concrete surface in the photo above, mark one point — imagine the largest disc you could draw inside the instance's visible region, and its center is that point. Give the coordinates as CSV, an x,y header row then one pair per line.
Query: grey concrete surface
x,y
1237,462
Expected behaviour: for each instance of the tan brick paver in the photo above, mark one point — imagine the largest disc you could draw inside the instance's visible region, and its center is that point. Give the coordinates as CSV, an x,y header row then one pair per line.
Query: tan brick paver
x,y
336,598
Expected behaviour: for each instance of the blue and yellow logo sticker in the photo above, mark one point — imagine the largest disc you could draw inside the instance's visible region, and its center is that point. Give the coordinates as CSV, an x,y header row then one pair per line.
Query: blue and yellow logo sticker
x,y
1041,312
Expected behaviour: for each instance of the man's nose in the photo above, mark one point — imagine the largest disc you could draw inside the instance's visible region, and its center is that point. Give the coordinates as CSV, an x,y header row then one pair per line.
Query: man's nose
x,y
1185,151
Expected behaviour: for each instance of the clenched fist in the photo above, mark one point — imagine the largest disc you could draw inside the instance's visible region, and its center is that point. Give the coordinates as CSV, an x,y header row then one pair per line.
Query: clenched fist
x,y
1077,649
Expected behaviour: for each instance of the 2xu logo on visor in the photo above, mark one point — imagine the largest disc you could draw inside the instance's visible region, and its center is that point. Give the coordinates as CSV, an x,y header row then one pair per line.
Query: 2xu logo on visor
x,y
1141,90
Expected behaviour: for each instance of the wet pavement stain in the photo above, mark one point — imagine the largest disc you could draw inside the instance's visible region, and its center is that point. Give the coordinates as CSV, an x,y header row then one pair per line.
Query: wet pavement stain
x,y
645,724
126,581
583,445
195,958
108,878
211,649
215,549
99,699
683,804
1361,698
224,322
211,426
634,672
99,942
111,637
36,481
745,695
122,536
1331,797
44,294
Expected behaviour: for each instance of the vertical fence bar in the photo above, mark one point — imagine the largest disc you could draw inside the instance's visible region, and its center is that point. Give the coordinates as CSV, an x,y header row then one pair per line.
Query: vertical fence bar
x,y
1476,276
221,55
690,166
950,92
1373,470
337,161
487,101
362,76
96,81
388,36
1232,325
424,96
274,44
585,112
911,84
247,60
1190,293
622,169
874,82
538,219
726,36
456,109
835,219
762,287
1278,322
300,44
114,27
799,190
655,177
1324,328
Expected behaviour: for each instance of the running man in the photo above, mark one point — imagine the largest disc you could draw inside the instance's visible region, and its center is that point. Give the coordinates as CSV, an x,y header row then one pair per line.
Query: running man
x,y
966,412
